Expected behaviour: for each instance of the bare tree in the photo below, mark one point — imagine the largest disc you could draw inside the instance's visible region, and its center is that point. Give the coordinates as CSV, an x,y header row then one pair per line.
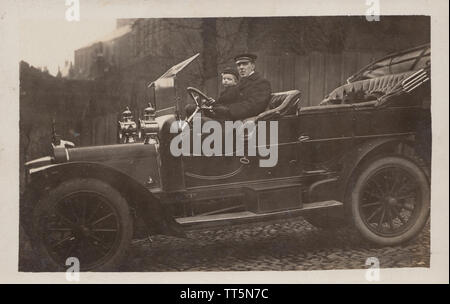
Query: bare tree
x,y
210,58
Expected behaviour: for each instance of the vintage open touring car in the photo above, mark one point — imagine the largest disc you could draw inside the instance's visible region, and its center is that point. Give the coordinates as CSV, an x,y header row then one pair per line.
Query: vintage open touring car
x,y
362,156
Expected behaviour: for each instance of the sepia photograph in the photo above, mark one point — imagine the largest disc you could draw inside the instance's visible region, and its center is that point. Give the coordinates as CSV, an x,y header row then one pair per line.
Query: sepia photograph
x,y
173,144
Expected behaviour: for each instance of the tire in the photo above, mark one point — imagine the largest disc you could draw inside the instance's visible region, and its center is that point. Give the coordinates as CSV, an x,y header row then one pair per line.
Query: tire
x,y
82,218
390,201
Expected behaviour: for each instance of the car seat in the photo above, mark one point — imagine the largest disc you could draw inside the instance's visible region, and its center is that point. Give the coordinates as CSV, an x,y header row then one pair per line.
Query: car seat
x,y
280,104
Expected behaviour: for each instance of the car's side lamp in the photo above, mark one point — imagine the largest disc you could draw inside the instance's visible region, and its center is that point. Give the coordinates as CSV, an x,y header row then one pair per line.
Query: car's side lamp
x,y
64,143
57,142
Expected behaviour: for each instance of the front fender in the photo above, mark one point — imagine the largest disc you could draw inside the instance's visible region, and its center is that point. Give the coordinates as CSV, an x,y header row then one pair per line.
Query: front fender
x,y
146,205
51,175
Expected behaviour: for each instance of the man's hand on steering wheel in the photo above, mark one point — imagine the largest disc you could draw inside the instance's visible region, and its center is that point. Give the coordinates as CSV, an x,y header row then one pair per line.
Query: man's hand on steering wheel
x,y
220,111
210,101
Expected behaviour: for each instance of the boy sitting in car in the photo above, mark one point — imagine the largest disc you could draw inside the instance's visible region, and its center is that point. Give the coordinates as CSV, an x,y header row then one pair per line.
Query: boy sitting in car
x,y
230,79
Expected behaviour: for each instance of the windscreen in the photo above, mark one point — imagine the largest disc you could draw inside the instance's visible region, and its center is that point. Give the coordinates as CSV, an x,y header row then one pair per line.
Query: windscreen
x,y
165,94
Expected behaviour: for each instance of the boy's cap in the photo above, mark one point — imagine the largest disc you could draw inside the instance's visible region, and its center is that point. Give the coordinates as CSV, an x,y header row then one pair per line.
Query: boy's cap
x,y
245,57
230,71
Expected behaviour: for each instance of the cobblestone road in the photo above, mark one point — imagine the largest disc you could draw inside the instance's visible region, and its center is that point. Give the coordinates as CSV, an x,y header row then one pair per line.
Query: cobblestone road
x,y
281,245
276,246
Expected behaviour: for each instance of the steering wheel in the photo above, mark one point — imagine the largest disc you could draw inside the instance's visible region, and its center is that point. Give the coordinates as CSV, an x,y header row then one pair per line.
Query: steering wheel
x,y
198,96
202,101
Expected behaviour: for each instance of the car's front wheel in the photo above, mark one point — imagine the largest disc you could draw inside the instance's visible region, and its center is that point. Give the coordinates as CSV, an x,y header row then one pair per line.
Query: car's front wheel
x,y
82,218
390,200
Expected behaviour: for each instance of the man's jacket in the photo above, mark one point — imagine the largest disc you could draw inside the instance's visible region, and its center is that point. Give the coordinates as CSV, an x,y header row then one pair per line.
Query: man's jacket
x,y
229,95
254,96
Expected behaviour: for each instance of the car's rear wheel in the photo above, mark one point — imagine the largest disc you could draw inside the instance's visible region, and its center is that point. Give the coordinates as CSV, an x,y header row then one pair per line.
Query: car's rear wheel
x,y
390,200
82,218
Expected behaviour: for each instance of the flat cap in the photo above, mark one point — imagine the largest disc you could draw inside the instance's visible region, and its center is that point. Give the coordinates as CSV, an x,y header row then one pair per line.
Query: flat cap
x,y
245,57
230,71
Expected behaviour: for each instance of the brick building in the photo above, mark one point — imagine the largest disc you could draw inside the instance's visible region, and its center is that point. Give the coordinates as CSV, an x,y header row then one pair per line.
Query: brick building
x,y
103,56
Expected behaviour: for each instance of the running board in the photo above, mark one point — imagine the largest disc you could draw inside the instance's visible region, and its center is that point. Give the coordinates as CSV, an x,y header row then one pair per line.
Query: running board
x,y
248,216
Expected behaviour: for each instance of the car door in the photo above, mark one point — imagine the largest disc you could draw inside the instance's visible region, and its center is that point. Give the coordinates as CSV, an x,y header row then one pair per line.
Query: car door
x,y
324,133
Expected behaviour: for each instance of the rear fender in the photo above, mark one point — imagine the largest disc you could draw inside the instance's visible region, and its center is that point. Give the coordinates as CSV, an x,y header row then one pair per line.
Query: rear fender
x,y
352,161
140,199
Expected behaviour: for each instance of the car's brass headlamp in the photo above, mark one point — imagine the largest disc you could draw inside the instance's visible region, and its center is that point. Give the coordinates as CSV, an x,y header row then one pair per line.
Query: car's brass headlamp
x,y
149,128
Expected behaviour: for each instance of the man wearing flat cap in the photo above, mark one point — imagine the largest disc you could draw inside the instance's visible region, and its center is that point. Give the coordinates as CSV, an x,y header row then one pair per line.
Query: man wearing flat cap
x,y
253,92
